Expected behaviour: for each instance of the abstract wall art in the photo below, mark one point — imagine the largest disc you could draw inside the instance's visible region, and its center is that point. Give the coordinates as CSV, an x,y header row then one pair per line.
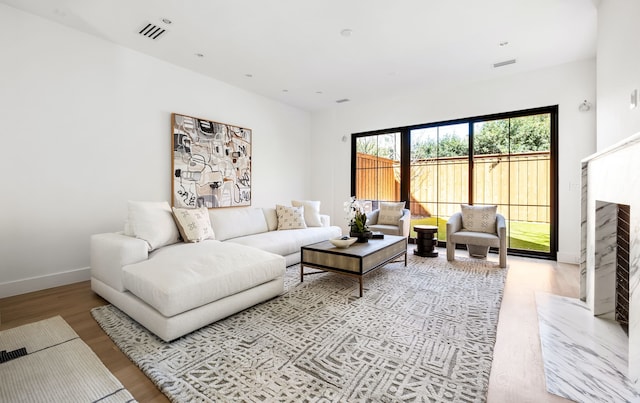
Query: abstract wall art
x,y
211,163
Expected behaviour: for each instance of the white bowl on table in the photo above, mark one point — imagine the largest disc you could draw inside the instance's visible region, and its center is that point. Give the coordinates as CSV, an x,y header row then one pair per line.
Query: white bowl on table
x,y
342,242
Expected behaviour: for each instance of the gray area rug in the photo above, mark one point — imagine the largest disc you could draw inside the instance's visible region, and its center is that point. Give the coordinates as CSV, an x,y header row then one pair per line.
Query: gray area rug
x,y
58,367
424,332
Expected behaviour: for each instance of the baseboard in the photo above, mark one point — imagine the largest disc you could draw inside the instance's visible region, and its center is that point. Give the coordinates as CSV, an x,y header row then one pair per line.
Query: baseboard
x,y
571,258
26,285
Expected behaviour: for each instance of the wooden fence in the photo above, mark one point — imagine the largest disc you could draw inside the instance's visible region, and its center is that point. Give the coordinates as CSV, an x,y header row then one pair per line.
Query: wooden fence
x,y
518,184
377,178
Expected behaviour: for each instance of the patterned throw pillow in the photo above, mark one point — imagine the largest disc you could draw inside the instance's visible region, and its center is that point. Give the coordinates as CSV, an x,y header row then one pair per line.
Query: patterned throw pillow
x,y
311,212
194,224
390,213
290,217
479,218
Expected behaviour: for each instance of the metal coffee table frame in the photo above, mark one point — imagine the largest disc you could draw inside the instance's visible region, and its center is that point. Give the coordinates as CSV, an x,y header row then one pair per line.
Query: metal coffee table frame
x,y
354,261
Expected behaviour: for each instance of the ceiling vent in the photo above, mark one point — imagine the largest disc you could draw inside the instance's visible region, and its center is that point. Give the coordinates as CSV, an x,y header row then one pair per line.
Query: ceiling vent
x,y
505,63
151,31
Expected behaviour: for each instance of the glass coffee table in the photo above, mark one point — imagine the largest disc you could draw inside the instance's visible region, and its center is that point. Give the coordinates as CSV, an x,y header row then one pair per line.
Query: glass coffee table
x,y
354,261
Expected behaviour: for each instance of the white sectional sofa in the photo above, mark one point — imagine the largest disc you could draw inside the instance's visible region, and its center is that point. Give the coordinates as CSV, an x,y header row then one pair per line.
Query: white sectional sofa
x,y
173,287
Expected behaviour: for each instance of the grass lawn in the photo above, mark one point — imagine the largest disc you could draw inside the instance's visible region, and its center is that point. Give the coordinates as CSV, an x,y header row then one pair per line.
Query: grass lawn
x,y
529,235
522,234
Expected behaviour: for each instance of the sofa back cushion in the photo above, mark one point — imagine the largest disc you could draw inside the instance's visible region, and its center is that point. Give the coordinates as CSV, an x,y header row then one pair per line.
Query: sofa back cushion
x,y
272,218
230,223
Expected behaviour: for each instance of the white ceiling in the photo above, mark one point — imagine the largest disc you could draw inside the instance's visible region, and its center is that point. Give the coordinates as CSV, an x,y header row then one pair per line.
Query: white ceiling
x,y
296,54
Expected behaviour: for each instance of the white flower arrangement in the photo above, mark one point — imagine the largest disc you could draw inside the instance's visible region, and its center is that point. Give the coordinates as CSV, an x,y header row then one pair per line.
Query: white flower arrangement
x,y
356,215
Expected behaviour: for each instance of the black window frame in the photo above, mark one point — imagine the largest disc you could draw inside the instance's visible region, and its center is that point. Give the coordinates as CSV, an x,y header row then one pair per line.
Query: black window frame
x,y
405,157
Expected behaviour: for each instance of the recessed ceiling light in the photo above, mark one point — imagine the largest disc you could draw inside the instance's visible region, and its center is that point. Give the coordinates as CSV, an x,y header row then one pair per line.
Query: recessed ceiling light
x,y
166,21
346,32
199,55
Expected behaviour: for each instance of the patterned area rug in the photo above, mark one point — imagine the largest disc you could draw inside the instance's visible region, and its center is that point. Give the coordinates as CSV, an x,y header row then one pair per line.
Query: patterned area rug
x,y
421,333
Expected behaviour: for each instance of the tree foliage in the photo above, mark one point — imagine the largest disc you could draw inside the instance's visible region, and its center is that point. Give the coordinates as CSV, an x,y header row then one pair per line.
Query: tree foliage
x,y
449,145
516,135
502,136
383,146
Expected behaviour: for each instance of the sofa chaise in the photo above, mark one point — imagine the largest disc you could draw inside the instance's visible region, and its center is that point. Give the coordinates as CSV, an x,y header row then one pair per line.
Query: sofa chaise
x,y
173,287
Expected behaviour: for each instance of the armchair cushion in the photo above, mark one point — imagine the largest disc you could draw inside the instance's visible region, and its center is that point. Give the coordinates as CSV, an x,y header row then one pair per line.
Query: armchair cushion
x,y
479,218
390,213
475,238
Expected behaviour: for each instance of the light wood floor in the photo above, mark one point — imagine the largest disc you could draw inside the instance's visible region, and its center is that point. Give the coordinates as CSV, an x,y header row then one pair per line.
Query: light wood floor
x,y
516,375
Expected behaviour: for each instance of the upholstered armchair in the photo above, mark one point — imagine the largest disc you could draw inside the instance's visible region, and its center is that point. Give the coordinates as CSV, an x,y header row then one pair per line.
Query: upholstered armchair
x,y
390,219
479,227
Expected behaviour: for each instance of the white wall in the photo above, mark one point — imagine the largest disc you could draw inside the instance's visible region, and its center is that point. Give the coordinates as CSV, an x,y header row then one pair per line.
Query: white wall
x,y
86,127
618,70
566,86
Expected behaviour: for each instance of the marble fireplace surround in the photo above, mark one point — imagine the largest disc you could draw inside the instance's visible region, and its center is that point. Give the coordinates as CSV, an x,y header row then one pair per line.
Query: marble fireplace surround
x,y
611,177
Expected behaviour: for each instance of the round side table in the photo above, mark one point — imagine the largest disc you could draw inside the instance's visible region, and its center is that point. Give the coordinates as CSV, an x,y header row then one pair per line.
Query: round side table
x,y
426,241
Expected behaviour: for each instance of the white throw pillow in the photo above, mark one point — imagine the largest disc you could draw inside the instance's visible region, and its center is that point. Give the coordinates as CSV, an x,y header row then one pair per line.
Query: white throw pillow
x,y
390,213
153,222
194,224
311,211
479,218
290,217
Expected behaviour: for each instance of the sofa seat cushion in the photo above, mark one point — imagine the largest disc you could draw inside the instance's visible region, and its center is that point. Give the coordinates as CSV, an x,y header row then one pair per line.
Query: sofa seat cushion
x,y
184,276
287,242
475,238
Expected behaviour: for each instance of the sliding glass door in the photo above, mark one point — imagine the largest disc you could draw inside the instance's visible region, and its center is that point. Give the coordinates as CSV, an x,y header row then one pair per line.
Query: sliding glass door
x,y
505,159
439,174
512,169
